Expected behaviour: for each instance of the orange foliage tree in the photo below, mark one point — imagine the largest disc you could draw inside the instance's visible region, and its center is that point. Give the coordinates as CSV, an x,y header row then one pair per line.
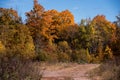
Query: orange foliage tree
x,y
104,28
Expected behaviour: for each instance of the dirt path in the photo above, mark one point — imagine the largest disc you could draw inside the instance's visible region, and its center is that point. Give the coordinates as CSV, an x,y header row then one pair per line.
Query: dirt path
x,y
68,72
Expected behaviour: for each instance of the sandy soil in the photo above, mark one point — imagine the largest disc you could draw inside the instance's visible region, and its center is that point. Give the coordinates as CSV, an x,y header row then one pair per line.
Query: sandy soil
x,y
64,71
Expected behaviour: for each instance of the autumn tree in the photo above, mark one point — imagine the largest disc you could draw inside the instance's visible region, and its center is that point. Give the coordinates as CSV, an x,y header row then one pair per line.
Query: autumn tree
x,y
104,28
34,18
66,18
104,31
116,45
9,17
65,22
46,26
17,40
55,22
86,32
14,35
49,25
70,34
95,35
34,23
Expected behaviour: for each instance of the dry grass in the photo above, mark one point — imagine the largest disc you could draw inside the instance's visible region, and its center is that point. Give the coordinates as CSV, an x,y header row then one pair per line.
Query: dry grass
x,y
18,69
106,71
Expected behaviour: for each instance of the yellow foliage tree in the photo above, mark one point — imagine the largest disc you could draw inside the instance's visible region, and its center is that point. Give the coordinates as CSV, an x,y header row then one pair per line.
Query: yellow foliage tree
x,y
8,16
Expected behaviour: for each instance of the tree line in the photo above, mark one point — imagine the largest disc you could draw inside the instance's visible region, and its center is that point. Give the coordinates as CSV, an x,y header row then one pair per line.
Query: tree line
x,y
50,35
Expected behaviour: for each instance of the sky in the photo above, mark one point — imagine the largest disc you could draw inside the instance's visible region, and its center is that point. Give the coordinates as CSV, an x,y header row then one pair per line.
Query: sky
x,y
81,9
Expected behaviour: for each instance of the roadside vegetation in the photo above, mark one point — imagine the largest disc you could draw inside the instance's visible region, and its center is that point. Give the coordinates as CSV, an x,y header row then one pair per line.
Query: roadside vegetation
x,y
109,70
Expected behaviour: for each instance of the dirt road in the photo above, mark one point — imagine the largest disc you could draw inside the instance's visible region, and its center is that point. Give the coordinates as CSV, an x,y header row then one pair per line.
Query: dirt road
x,y
68,72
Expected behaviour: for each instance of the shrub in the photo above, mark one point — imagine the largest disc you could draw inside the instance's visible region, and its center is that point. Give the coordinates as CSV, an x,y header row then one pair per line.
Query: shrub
x,y
41,56
81,55
46,56
63,46
63,57
16,68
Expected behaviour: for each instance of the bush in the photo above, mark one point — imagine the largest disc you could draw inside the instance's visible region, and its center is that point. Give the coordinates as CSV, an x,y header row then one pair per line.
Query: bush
x,y
81,55
46,56
41,56
63,57
63,46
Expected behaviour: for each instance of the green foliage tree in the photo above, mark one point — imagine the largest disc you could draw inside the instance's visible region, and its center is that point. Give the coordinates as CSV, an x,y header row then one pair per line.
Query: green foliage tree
x,y
86,34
